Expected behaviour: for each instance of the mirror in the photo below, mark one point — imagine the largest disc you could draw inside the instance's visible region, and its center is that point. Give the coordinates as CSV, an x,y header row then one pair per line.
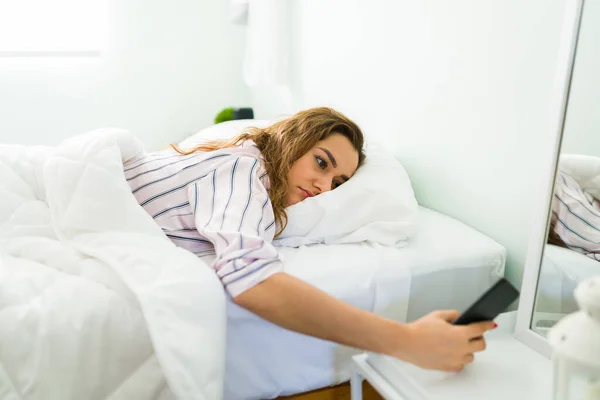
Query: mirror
x,y
572,247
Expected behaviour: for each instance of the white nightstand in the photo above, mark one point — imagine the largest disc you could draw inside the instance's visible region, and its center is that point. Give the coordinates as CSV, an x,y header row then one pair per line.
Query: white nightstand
x,y
506,370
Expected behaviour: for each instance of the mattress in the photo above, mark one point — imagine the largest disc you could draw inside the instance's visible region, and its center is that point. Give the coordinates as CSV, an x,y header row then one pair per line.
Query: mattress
x,y
562,270
446,265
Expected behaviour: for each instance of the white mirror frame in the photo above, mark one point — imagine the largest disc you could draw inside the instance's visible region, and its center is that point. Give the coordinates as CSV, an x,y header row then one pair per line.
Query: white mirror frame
x,y
545,177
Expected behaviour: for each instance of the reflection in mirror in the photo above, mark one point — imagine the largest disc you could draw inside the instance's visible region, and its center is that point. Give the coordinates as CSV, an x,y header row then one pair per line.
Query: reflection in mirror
x,y
572,250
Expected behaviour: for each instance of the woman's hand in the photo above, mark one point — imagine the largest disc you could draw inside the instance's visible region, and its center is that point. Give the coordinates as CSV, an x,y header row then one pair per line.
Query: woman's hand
x,y
437,344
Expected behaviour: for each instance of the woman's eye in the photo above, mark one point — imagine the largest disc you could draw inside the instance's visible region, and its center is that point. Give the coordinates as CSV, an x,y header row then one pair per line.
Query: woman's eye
x,y
336,184
322,163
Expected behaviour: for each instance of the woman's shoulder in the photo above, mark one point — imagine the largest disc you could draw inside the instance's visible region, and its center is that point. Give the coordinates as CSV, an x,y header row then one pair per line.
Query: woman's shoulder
x,y
245,159
247,149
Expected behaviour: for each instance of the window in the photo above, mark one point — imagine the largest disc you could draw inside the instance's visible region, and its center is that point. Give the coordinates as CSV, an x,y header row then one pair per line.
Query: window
x,y
52,27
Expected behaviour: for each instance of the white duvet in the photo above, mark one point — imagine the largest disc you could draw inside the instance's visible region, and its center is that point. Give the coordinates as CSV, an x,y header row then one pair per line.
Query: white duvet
x,y
95,302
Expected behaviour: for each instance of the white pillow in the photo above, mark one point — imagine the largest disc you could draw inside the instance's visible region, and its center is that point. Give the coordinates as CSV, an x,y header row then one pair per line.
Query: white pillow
x,y
224,130
585,169
376,205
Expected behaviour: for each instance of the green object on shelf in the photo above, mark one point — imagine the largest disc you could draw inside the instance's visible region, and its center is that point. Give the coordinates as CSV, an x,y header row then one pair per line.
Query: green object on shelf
x,y
225,114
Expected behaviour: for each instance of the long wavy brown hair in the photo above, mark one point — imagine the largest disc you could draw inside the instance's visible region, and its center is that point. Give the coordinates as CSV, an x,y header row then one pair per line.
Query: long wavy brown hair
x,y
284,142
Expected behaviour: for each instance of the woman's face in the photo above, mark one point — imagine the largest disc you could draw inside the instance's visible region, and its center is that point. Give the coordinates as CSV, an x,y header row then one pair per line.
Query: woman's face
x,y
330,163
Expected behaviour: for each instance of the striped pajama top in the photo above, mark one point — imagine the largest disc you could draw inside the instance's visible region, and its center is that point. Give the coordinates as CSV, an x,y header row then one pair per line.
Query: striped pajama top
x,y
212,204
576,216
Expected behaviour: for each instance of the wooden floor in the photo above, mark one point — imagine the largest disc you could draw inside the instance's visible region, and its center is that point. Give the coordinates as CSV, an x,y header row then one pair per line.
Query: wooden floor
x,y
341,392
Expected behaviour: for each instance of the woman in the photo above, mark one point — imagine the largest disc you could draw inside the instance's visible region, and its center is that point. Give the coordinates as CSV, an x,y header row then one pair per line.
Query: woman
x,y
228,199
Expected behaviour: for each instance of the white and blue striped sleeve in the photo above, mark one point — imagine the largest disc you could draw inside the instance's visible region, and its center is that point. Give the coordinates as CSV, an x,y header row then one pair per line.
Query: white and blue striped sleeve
x,y
232,209
577,216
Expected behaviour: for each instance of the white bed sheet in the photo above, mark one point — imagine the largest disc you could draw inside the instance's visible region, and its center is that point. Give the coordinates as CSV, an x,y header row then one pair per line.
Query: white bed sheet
x,y
447,265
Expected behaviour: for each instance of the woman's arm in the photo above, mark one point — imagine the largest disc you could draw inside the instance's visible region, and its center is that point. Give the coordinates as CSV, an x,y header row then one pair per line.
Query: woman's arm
x,y
231,210
294,304
431,342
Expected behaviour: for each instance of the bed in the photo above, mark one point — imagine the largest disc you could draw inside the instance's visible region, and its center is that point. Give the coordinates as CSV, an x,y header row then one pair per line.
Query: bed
x,y
105,306
446,265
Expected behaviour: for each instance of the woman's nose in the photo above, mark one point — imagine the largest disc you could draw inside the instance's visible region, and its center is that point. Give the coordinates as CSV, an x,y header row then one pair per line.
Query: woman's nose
x,y
323,184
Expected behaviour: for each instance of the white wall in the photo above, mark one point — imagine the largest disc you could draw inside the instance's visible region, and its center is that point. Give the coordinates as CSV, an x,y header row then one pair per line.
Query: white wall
x,y
460,89
169,68
582,129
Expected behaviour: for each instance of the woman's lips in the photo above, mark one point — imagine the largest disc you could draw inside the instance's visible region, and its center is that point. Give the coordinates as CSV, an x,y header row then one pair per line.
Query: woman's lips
x,y
306,193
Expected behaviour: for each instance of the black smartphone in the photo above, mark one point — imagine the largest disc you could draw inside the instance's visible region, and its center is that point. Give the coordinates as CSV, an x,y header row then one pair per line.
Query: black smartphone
x,y
494,301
